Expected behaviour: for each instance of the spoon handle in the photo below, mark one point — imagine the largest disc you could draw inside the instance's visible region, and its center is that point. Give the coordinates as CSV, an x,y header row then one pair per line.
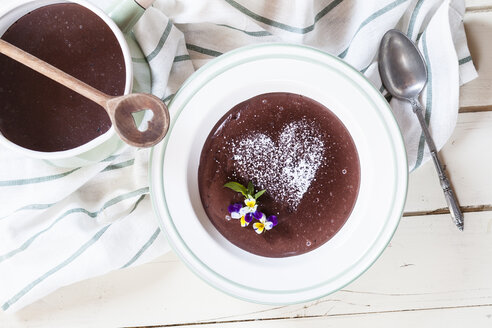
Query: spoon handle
x,y
454,208
53,73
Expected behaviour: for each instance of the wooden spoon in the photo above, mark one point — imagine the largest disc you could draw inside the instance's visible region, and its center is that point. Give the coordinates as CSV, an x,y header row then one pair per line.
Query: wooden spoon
x,y
119,108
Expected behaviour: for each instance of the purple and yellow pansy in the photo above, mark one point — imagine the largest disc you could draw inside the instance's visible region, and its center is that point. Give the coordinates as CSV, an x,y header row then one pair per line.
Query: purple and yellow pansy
x,y
246,214
265,223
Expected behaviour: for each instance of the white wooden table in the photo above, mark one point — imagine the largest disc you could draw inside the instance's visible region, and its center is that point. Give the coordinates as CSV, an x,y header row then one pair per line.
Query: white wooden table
x,y
431,275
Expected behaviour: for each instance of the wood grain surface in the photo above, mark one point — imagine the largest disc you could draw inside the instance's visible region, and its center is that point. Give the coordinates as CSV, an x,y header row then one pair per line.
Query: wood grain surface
x,y
431,275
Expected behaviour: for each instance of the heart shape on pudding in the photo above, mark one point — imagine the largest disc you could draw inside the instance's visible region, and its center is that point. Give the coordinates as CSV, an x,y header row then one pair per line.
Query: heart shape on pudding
x,y
284,168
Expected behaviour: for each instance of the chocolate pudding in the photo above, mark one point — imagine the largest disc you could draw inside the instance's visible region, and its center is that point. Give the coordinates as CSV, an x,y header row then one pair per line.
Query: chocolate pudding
x,y
300,153
40,114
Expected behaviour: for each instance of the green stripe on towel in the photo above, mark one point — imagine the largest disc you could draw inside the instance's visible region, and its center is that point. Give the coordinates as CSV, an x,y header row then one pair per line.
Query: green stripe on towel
x,y
60,266
370,19
139,60
29,207
202,50
464,60
110,158
35,207
136,204
143,249
285,27
69,260
19,182
181,58
362,71
413,18
257,33
428,104
162,40
168,97
176,59
119,165
109,203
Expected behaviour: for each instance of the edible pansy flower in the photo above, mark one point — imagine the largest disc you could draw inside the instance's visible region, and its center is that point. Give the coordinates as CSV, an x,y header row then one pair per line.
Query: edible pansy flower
x,y
258,215
246,209
247,213
246,219
249,216
234,208
250,202
235,211
273,219
251,213
263,225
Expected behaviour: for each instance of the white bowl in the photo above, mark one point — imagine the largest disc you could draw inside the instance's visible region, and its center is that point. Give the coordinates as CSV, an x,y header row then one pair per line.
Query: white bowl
x,y
100,147
205,98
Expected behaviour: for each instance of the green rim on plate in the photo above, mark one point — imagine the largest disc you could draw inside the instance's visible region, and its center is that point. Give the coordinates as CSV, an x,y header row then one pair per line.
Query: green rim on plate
x,y
156,164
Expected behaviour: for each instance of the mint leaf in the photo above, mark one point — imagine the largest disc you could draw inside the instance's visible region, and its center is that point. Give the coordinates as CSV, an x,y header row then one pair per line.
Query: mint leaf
x,y
259,193
237,187
251,188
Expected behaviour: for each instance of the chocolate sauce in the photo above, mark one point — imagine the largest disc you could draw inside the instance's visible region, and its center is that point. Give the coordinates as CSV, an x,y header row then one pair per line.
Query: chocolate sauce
x,y
40,114
297,150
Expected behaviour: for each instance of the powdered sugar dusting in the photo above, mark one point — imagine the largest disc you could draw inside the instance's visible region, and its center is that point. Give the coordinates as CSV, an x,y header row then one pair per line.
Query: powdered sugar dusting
x,y
285,168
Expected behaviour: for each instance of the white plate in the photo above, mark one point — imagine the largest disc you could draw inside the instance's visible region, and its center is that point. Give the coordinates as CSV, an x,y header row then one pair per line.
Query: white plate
x,y
205,98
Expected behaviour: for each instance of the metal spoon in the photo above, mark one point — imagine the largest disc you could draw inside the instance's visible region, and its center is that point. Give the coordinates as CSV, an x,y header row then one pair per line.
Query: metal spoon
x,y
119,109
404,74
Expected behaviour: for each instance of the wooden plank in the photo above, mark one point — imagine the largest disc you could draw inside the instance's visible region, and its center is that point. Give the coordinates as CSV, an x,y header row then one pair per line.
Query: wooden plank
x,y
467,159
428,265
477,4
477,94
445,317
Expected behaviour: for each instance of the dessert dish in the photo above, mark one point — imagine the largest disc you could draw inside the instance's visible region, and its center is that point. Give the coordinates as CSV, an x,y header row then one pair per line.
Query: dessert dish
x,y
40,114
174,174
279,175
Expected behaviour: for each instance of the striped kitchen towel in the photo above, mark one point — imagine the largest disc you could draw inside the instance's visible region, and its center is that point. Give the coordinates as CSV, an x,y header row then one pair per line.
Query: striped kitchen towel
x,y
59,226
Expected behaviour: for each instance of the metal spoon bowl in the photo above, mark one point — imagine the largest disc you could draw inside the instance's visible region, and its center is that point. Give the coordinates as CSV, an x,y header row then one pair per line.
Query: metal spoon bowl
x,y
401,65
